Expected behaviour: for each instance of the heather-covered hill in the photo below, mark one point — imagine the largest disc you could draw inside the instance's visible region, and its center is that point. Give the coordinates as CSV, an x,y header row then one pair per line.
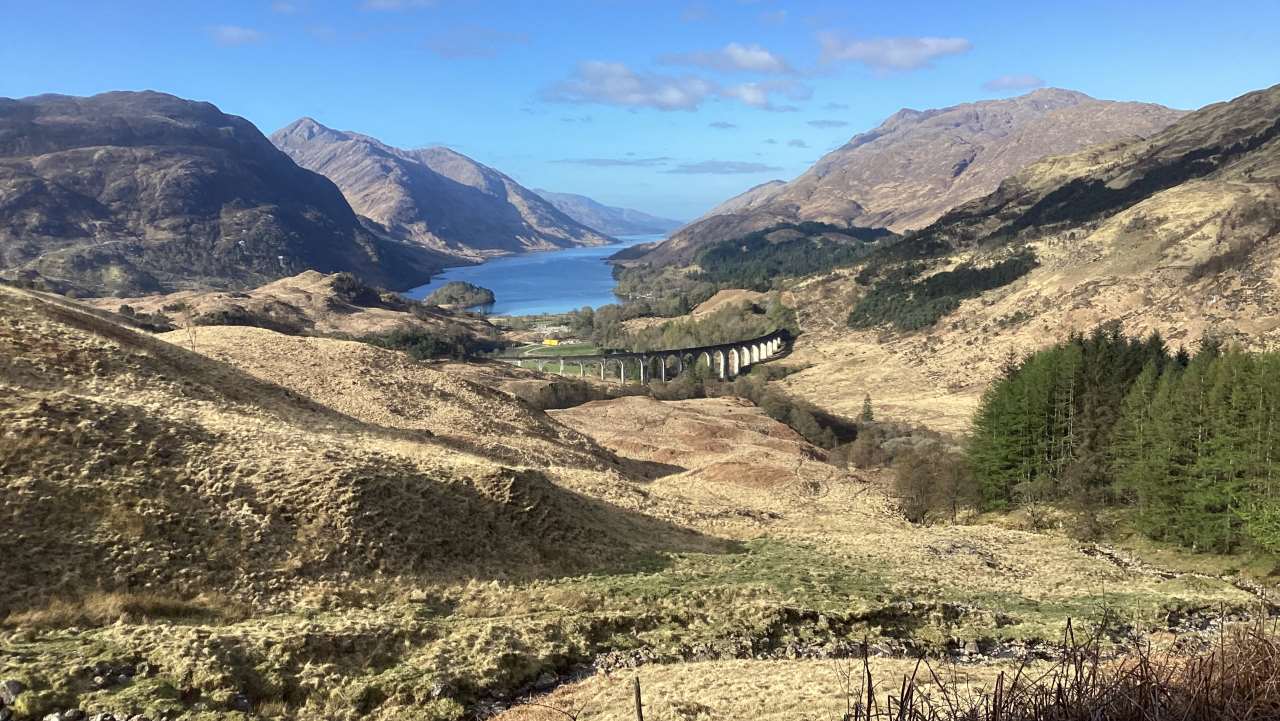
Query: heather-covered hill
x,y
135,192
1178,233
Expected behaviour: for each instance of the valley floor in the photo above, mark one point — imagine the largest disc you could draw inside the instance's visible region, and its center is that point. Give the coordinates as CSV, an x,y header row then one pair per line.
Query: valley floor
x,y
407,540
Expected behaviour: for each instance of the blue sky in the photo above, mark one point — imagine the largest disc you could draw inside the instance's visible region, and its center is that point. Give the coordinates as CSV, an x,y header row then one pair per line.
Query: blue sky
x,y
668,107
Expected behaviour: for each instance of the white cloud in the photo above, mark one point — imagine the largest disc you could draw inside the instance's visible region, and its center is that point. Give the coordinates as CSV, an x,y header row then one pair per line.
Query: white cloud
x,y
233,35
733,57
284,7
1014,82
757,95
610,83
886,54
597,81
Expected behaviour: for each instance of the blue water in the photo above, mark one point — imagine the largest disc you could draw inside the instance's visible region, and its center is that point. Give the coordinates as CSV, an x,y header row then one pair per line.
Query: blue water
x,y
552,281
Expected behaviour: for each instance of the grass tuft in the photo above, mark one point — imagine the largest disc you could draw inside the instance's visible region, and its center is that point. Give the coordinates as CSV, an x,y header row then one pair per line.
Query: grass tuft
x,y
105,608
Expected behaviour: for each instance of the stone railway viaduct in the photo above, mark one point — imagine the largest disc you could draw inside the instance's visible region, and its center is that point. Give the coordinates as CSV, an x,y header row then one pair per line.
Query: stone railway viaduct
x,y
727,360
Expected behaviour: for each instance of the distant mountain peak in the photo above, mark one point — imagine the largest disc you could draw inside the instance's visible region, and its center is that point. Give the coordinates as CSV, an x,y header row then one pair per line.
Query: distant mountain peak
x,y
918,164
608,219
433,196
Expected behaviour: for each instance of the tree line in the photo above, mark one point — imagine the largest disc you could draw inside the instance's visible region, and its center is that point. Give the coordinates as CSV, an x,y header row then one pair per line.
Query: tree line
x,y
755,261
908,302
1189,443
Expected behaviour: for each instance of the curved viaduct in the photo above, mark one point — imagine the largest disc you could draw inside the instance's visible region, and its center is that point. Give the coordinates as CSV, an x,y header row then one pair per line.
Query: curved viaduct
x,y
727,360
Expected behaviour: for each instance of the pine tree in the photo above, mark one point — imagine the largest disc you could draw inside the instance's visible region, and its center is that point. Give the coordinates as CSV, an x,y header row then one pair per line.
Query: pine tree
x,y
1131,443
868,414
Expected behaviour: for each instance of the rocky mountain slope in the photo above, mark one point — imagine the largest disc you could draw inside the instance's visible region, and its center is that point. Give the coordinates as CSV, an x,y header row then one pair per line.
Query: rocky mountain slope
x,y
434,197
1178,233
608,219
745,201
133,192
919,164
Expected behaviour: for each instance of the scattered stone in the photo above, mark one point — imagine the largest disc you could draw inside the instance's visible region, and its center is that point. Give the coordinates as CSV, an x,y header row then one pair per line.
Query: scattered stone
x,y
74,714
9,691
240,702
546,682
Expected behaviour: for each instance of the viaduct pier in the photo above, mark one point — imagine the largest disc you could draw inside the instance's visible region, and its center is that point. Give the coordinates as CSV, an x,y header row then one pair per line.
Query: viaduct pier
x,y
726,360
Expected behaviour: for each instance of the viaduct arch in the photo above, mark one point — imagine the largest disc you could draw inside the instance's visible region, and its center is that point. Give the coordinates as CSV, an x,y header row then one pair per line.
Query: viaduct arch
x,y
726,360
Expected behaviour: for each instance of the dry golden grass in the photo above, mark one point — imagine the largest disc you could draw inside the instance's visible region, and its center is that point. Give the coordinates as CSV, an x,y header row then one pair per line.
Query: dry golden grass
x,y
412,541
105,608
732,691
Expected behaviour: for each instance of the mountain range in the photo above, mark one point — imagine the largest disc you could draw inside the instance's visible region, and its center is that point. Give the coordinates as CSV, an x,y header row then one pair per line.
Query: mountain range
x,y
917,165
1176,233
607,218
134,192
435,197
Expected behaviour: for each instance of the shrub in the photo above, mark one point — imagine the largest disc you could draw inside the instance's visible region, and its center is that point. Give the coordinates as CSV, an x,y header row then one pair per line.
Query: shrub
x,y
931,484
460,294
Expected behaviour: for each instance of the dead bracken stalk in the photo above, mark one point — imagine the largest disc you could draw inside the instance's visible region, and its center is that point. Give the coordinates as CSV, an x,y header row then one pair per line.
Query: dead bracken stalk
x,y
1236,679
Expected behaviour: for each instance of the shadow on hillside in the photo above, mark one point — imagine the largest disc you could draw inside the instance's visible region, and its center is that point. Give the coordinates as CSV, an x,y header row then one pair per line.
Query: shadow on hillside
x,y
360,514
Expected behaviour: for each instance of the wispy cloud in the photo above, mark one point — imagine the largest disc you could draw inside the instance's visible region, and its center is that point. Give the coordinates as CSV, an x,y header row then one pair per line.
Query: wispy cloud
x,y
284,7
770,141
1013,82
758,95
797,143
695,12
733,57
835,106
235,35
774,17
888,54
827,123
722,167
596,81
721,125
610,83
616,162
473,42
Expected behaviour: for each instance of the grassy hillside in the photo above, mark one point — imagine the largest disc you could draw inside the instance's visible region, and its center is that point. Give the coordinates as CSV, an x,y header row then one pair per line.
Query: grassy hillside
x,y
280,525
